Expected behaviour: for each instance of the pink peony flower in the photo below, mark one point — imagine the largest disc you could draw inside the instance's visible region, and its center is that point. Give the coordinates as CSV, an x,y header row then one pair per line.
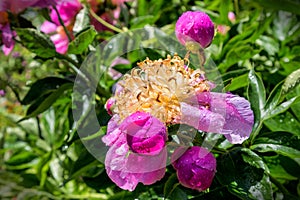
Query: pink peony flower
x,y
195,167
67,10
222,113
7,34
137,150
17,6
195,27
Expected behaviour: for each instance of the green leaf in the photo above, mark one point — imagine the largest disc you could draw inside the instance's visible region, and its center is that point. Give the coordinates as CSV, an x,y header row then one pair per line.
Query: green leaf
x,y
178,194
276,170
245,174
43,167
281,138
36,42
269,44
291,81
82,41
280,149
287,5
284,122
44,102
282,107
140,22
237,82
290,166
172,191
43,86
257,98
273,98
236,54
82,20
284,23
84,162
21,158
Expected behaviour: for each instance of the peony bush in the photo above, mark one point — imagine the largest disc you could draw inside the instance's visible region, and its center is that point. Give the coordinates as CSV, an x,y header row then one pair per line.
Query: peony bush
x,y
151,99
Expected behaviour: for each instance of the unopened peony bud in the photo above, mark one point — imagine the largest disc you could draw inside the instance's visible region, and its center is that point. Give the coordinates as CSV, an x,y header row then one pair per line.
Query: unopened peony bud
x,y
109,105
196,167
195,27
231,17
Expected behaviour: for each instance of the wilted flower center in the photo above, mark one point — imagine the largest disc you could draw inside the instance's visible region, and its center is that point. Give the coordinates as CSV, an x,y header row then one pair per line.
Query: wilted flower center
x,y
158,87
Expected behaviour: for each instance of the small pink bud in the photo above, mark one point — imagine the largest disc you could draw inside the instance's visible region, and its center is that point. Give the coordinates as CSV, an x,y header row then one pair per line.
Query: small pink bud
x,y
195,167
195,27
109,105
223,29
2,93
231,17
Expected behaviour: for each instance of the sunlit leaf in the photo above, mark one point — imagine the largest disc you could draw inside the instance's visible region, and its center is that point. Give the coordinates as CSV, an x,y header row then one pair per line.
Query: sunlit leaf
x,y
82,41
37,42
256,96
291,81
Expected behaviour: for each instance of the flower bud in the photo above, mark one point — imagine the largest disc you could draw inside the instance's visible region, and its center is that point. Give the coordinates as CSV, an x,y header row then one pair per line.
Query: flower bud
x,y
195,167
195,27
231,17
109,105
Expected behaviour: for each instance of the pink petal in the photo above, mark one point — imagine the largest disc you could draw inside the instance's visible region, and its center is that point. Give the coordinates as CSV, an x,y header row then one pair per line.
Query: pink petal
x,y
7,50
113,131
48,27
61,43
127,171
222,113
236,110
201,118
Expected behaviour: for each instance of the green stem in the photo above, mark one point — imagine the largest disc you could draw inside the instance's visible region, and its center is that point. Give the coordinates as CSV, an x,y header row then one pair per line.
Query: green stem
x,y
256,132
236,6
63,24
39,128
86,196
279,185
74,65
108,25
202,58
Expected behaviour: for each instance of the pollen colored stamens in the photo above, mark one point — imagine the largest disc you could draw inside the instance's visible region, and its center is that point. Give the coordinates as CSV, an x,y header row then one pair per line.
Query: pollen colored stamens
x,y
157,87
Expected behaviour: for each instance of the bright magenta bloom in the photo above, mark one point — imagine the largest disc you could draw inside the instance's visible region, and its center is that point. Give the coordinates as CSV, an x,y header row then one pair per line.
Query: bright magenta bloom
x,y
67,10
195,167
196,27
137,150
